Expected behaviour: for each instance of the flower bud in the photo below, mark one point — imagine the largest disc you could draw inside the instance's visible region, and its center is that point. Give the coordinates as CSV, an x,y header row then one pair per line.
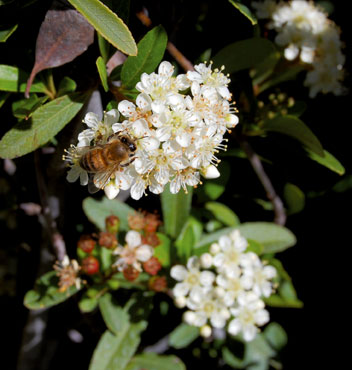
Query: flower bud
x,y
157,283
180,301
205,331
206,260
152,266
86,243
151,239
136,221
112,224
90,265
152,222
130,273
211,172
107,240
214,248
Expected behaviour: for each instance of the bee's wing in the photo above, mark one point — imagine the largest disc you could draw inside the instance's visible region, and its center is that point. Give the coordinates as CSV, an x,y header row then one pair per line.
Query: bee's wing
x,y
100,179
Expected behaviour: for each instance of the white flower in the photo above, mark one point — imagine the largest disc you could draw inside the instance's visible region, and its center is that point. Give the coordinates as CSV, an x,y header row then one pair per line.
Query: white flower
x,y
133,253
98,131
259,277
190,277
207,305
230,256
249,313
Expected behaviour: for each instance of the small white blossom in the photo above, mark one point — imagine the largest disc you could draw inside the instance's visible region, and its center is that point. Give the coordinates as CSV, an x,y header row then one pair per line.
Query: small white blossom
x,y
133,252
249,313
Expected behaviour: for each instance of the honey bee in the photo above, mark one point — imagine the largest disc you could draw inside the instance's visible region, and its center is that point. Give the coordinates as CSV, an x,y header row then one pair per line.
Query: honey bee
x,y
101,161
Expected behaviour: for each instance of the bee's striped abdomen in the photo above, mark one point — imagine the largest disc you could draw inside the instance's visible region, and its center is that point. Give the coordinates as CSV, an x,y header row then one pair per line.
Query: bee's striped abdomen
x,y
94,160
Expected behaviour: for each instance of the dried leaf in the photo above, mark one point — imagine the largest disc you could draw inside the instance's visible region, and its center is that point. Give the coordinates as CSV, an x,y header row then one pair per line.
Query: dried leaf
x,y
63,35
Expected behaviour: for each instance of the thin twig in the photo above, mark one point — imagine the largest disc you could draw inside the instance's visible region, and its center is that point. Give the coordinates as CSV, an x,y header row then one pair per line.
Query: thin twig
x,y
57,240
279,210
170,47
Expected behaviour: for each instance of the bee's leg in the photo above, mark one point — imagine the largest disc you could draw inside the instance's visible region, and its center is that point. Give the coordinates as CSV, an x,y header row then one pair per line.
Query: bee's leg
x,y
128,163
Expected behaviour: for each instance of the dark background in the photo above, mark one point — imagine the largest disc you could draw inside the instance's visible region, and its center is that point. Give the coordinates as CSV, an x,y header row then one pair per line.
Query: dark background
x,y
318,264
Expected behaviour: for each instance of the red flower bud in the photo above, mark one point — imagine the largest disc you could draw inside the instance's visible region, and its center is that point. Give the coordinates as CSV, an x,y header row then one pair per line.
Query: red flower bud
x,y
130,273
86,243
158,283
136,221
152,266
107,240
90,265
152,222
112,224
151,239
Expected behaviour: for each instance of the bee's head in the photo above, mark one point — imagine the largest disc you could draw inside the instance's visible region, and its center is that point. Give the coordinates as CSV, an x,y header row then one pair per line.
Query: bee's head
x,y
128,142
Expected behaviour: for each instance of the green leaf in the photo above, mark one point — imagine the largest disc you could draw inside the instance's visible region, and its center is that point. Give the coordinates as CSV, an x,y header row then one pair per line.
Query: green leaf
x,y
106,258
294,127
46,292
97,211
115,317
176,209
231,359
294,198
15,80
150,53
24,108
223,213
287,75
115,74
208,239
87,304
115,351
255,247
162,251
66,85
108,24
328,161
5,34
183,335
257,354
104,48
275,335
185,242
3,97
285,297
343,185
274,238
103,74
245,11
264,69
152,361
244,54
45,123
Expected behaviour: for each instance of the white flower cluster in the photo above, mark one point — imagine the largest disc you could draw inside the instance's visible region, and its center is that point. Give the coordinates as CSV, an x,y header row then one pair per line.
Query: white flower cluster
x,y
305,32
177,134
225,287
133,253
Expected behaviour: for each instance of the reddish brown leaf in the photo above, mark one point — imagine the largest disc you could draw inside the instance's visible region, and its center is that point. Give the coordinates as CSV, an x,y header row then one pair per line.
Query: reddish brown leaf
x,y
63,35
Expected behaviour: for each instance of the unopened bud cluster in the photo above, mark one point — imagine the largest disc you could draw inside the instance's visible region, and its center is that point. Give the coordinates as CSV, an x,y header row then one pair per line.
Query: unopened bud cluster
x,y
224,288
